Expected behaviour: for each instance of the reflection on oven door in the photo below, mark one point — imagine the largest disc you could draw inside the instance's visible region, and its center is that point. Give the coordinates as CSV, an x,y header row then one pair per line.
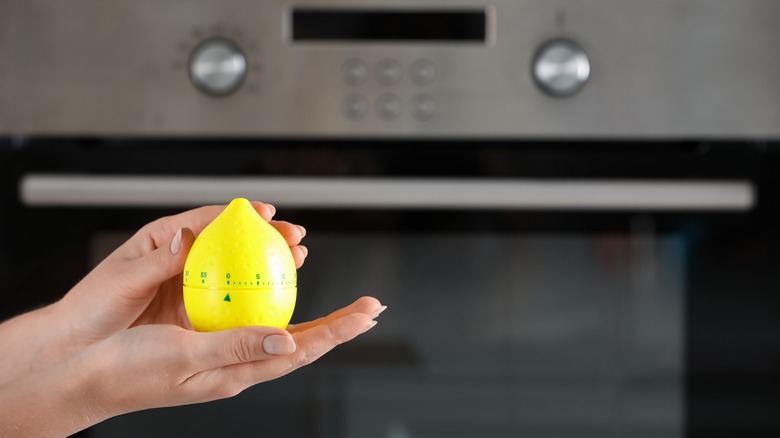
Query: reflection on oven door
x,y
486,335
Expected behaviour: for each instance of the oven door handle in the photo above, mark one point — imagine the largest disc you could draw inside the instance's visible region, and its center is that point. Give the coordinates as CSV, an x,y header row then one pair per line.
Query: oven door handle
x,y
384,193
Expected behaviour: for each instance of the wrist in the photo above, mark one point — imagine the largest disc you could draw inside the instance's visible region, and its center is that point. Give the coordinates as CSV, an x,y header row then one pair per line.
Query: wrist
x,y
35,338
52,332
57,400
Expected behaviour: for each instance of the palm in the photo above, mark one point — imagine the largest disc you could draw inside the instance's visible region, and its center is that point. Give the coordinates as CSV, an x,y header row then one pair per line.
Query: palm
x,y
167,307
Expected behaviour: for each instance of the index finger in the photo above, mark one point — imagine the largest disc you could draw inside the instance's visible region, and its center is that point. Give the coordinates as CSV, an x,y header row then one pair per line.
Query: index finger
x,y
159,233
366,305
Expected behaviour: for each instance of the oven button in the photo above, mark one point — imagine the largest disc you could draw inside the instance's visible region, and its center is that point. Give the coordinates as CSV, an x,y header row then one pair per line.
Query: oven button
x,y
355,72
388,72
217,66
423,107
355,106
561,68
423,72
388,107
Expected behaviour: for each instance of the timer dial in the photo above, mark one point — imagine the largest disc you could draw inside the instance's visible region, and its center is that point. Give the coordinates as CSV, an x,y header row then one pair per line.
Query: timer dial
x,y
239,272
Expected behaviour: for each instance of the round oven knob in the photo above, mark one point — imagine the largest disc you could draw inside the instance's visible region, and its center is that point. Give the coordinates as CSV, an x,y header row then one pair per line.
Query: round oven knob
x,y
217,67
561,68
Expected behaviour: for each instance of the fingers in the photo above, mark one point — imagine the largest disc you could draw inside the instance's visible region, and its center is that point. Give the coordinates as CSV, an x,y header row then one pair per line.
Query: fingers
x,y
146,273
247,344
266,211
292,233
311,340
156,234
159,231
366,305
201,217
234,360
311,344
197,219
299,253
158,251
315,341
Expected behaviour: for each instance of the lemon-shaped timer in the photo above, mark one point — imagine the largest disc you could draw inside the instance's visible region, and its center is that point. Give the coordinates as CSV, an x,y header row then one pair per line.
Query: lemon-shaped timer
x,y
239,272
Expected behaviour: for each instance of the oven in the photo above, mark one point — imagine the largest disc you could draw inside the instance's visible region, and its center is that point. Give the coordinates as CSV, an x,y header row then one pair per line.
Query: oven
x,y
570,208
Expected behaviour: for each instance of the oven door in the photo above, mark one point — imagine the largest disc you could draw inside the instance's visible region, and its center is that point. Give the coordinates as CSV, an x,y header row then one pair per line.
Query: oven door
x,y
552,289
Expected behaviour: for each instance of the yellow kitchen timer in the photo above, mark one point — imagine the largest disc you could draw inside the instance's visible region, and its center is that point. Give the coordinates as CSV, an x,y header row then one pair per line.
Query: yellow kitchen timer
x,y
239,272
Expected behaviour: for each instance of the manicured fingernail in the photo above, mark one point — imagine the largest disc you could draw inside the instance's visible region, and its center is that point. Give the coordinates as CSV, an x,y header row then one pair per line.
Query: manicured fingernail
x,y
176,243
369,327
304,249
273,209
278,344
377,312
303,231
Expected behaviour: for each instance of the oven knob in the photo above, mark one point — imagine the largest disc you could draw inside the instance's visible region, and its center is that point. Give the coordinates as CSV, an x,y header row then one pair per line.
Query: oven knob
x,y
217,67
561,68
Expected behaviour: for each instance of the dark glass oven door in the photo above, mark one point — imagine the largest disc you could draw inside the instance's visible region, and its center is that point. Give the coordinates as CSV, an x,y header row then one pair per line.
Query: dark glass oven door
x,y
545,289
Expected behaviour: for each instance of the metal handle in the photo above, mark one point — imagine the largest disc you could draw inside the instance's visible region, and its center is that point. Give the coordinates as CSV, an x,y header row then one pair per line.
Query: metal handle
x,y
376,193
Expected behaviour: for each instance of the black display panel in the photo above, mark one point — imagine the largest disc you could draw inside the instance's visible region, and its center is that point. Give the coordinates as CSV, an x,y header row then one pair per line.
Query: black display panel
x,y
321,25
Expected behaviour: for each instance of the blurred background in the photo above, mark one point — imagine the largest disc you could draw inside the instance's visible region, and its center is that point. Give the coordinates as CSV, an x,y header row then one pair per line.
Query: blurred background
x,y
569,207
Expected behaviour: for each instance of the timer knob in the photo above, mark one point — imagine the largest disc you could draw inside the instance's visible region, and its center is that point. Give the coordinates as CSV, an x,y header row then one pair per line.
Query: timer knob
x,y
561,68
217,66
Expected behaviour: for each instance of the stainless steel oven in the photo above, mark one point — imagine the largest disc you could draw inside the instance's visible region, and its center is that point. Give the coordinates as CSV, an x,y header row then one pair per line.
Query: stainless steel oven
x,y
570,207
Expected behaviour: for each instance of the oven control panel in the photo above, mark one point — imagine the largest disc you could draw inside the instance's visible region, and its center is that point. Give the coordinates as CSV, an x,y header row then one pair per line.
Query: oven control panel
x,y
406,68
217,66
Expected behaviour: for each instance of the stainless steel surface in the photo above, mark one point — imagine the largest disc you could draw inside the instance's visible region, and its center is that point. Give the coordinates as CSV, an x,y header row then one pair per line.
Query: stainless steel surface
x,y
58,190
663,68
217,67
561,68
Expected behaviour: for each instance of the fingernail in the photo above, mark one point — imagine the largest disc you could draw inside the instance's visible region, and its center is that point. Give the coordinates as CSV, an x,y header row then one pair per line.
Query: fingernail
x,y
369,327
273,209
377,312
303,231
176,243
304,249
278,344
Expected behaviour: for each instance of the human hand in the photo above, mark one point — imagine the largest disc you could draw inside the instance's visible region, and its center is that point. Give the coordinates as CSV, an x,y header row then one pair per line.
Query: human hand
x,y
165,365
140,282
120,340
161,365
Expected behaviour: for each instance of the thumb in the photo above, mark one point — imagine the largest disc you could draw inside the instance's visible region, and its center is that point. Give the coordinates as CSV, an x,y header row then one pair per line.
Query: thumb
x,y
241,345
154,268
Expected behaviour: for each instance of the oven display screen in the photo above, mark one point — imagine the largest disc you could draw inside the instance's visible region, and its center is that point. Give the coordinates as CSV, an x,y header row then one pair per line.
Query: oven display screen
x,y
460,26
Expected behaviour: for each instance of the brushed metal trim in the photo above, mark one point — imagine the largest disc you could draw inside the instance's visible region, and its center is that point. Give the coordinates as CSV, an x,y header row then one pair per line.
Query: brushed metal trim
x,y
491,15
683,69
377,193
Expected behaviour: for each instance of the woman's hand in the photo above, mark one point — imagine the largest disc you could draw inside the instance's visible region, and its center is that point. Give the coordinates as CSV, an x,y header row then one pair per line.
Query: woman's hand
x,y
164,365
120,340
139,283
